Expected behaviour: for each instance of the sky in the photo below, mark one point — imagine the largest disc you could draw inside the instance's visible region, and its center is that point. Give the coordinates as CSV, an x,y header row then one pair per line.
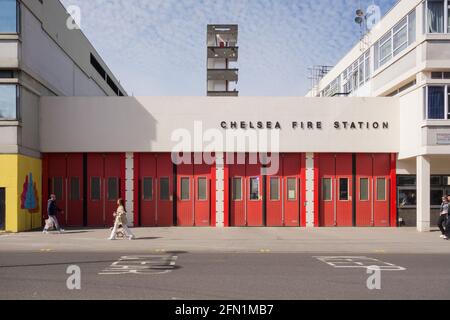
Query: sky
x,y
158,47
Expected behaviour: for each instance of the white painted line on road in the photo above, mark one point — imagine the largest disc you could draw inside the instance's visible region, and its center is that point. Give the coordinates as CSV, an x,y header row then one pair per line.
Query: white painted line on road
x,y
358,262
148,265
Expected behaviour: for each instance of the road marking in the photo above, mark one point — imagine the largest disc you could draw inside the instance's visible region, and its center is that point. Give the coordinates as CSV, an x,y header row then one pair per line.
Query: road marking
x,y
148,265
358,262
264,250
46,250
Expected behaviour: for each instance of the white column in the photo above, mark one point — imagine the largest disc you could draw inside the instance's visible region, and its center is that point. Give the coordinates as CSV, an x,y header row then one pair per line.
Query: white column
x,y
423,193
129,187
220,190
310,190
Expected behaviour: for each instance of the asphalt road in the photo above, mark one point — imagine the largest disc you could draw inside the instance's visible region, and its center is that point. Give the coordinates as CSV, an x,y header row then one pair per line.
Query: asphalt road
x,y
217,276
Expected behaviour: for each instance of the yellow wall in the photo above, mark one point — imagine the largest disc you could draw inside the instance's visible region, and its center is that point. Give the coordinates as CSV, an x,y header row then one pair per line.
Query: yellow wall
x,y
13,172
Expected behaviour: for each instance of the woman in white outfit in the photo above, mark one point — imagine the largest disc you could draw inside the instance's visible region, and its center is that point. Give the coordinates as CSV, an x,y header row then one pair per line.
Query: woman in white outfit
x,y
121,219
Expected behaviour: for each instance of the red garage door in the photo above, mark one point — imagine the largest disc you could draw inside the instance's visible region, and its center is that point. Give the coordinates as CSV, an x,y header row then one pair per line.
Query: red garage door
x,y
335,173
155,189
246,205
64,175
373,185
105,177
284,190
193,193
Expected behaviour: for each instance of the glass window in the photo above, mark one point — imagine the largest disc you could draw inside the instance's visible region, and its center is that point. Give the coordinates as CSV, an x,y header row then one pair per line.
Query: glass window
x,y
407,197
412,27
326,189
8,101
406,180
446,181
385,49
448,18
343,189
58,188
376,59
202,189
367,66
435,180
254,188
237,189
436,197
147,188
274,188
381,189
400,37
436,102
113,189
164,193
435,16
292,189
185,188
8,16
364,189
75,188
95,188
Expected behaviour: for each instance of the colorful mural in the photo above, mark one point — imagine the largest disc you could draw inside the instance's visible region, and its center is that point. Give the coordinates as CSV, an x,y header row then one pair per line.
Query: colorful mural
x,y
29,196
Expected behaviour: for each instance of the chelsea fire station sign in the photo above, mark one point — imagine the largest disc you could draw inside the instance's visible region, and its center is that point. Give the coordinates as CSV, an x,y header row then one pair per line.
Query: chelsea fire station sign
x,y
302,125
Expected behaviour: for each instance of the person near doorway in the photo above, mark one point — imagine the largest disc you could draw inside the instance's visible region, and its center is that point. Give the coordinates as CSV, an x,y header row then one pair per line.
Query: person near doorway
x,y
443,215
121,219
447,223
52,211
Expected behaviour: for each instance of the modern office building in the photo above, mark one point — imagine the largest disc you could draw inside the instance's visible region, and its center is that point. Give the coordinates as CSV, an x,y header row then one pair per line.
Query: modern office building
x,y
368,147
39,56
407,56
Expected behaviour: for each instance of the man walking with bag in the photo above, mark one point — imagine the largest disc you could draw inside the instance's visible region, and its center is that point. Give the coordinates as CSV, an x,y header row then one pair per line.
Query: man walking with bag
x,y
52,210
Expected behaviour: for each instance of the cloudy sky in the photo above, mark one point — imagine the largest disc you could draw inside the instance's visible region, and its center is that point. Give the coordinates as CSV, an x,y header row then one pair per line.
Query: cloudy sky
x,y
158,47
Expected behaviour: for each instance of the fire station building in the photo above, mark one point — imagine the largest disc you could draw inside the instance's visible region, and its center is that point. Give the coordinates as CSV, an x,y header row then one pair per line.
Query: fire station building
x,y
368,147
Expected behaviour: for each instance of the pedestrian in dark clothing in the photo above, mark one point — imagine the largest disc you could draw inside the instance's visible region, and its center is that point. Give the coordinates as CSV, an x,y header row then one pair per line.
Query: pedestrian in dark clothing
x,y
52,210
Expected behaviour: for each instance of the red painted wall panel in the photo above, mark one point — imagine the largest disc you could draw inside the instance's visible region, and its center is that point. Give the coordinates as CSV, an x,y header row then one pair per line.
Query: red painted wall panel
x,y
364,172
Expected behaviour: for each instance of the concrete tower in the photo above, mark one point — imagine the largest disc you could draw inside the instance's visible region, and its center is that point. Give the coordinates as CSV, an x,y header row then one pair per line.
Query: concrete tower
x,y
222,74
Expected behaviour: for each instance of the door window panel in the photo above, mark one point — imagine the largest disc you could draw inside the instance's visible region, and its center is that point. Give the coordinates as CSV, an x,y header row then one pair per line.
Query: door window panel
x,y
202,184
237,189
95,188
147,188
58,188
343,189
75,189
327,189
185,189
254,189
292,189
274,188
381,189
164,193
113,189
364,189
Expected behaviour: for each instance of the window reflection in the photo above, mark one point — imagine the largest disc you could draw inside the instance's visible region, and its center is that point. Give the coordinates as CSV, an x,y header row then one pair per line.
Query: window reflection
x,y
407,198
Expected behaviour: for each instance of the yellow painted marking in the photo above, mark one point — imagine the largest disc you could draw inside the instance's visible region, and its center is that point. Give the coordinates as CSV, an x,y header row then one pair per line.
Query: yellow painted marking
x,y
264,250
